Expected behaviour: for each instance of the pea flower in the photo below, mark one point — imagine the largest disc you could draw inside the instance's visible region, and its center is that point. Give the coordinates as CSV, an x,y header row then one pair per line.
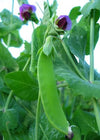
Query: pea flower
x,y
26,11
63,22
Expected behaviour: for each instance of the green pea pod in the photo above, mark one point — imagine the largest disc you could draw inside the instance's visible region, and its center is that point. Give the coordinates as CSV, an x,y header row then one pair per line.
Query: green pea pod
x,y
49,95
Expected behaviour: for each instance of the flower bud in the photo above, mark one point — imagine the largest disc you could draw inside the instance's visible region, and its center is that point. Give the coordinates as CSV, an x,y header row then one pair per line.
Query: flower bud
x,y
63,22
26,11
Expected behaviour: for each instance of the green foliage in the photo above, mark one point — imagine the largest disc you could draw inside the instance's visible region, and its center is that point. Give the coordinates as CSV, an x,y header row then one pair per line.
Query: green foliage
x,y
89,6
85,121
53,66
8,119
16,41
37,43
74,13
20,80
6,60
77,42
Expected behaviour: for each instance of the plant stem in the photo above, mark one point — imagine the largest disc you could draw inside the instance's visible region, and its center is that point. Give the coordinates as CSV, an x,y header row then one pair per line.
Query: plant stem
x,y
37,117
72,62
96,107
8,101
92,47
27,63
32,57
11,20
43,132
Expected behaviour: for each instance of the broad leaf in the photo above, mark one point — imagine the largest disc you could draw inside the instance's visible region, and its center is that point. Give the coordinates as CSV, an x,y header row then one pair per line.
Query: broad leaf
x,y
22,59
6,60
46,16
74,13
92,136
77,42
89,6
3,87
8,119
6,18
85,24
53,7
38,40
15,41
61,54
85,121
23,84
77,85
6,29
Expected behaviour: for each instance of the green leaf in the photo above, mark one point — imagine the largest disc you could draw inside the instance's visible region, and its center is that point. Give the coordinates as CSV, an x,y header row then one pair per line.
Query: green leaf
x,y
23,84
85,121
77,42
6,29
89,6
74,13
92,136
76,132
96,37
84,23
6,60
8,120
97,112
15,41
6,18
60,56
22,1
27,47
22,136
77,85
38,40
22,59
3,87
46,16
53,7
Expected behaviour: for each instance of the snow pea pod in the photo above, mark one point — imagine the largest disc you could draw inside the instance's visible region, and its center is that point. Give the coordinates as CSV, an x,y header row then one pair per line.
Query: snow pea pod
x,y
49,95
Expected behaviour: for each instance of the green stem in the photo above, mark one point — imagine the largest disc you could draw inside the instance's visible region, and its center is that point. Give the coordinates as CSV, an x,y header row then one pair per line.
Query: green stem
x,y
43,132
8,101
27,63
32,57
72,62
37,117
11,20
92,46
96,107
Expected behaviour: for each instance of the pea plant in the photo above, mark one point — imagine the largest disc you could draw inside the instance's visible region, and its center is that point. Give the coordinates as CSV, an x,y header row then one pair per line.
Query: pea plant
x,y
50,92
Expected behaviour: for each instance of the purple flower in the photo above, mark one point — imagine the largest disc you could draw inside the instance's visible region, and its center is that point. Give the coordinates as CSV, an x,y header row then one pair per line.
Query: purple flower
x,y
26,11
63,22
